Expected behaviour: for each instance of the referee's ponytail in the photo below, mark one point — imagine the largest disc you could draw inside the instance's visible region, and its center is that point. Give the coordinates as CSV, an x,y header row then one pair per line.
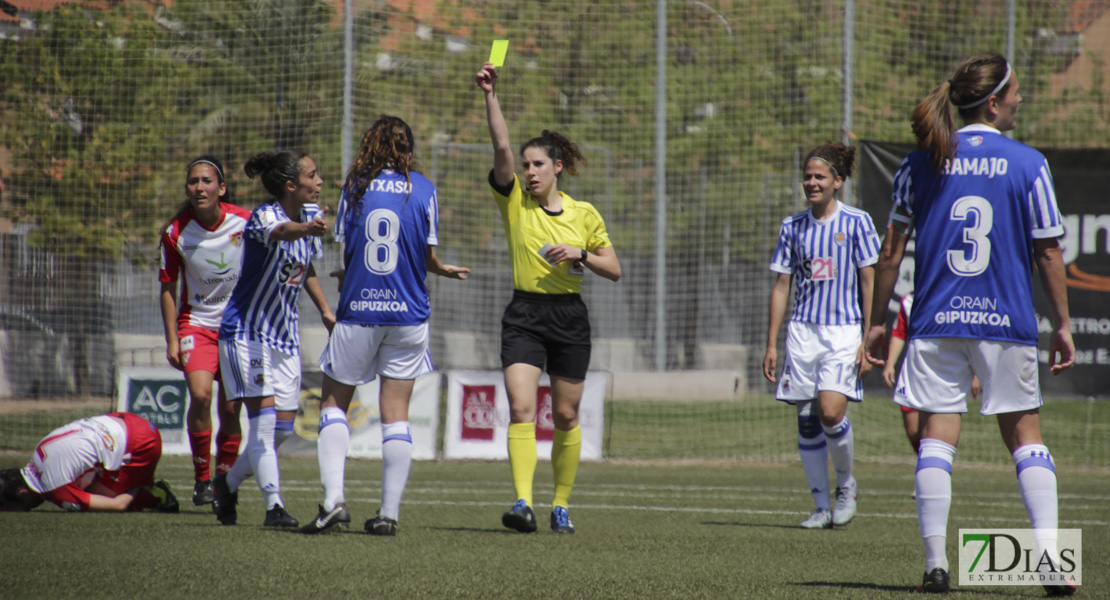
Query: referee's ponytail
x,y
557,147
976,80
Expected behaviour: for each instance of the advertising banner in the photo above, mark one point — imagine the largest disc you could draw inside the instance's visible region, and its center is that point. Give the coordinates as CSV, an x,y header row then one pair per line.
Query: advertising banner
x,y
477,423
160,396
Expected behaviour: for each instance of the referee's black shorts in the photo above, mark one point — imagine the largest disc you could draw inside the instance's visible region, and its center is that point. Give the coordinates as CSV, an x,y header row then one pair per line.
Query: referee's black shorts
x,y
552,328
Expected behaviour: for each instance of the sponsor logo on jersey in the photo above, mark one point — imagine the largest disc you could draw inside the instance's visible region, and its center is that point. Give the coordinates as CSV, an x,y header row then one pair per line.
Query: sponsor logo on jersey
x,y
969,310
256,363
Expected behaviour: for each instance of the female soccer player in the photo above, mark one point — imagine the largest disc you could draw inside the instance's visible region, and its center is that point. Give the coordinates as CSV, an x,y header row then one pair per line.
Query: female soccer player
x,y
388,221
985,211
829,249
259,335
100,464
552,240
202,243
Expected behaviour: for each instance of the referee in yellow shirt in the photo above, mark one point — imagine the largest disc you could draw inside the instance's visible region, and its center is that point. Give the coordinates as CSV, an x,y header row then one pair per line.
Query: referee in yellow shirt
x,y
553,239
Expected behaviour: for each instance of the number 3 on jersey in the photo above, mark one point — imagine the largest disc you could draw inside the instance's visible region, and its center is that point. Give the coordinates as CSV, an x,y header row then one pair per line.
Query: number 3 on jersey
x,y
969,262
383,227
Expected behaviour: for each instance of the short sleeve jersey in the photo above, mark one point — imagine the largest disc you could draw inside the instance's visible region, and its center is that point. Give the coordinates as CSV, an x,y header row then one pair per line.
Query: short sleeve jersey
x,y
975,225
825,257
385,235
264,306
901,327
74,453
207,260
528,228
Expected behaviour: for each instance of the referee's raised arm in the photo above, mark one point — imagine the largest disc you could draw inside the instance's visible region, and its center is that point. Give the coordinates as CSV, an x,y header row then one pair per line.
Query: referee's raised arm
x,y
503,165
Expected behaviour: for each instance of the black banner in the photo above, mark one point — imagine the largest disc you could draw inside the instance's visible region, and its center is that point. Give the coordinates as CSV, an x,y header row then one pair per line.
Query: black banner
x,y
1081,178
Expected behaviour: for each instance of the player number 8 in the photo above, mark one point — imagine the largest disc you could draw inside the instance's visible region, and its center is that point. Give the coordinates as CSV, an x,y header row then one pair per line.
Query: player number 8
x,y
383,227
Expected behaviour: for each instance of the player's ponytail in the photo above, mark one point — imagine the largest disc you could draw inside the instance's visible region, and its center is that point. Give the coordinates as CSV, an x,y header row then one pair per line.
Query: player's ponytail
x,y
557,147
975,81
275,169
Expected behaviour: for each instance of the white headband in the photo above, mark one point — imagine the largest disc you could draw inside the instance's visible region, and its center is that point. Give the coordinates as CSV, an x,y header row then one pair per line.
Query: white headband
x,y
1001,84
219,171
826,161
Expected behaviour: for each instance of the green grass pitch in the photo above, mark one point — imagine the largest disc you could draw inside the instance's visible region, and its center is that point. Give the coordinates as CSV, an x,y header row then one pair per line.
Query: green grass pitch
x,y
646,529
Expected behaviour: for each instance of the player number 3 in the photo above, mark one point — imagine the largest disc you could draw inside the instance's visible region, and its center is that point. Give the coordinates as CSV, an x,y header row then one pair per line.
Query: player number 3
x,y
973,261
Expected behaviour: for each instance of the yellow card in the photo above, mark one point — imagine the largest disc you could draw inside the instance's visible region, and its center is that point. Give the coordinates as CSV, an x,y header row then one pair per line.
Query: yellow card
x,y
498,51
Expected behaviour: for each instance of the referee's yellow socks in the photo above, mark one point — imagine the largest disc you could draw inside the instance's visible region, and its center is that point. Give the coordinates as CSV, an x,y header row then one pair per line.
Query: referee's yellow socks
x,y
566,448
522,458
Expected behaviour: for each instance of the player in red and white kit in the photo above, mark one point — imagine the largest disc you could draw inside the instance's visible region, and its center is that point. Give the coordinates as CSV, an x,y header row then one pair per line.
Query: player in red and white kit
x,y
103,463
202,246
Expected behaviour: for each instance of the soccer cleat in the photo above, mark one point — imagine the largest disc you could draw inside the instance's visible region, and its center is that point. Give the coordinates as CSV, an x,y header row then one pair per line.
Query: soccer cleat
x,y
380,525
202,492
560,520
326,520
845,507
819,519
224,501
935,582
520,517
277,517
1068,588
167,500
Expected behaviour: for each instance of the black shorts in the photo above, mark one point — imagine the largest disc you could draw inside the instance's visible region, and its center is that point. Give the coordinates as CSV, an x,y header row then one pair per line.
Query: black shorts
x,y
551,328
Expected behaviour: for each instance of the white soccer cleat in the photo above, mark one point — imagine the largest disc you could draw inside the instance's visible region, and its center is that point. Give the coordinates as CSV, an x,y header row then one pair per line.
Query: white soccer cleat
x,y
819,519
845,508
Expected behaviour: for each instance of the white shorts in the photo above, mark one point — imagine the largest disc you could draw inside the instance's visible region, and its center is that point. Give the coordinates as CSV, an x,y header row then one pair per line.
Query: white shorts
x,y
936,376
820,358
255,370
356,354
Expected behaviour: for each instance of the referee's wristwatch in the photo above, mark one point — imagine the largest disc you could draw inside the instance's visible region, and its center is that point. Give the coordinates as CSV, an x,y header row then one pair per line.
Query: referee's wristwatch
x,y
584,255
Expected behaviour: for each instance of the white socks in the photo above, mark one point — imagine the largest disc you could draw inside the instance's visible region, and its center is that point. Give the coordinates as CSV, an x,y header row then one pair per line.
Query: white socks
x,y
841,450
396,462
331,451
1036,475
814,454
934,499
263,455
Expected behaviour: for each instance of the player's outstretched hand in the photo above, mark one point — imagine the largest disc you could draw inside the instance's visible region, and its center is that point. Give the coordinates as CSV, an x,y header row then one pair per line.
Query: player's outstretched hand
x,y
454,272
487,77
875,345
888,375
318,226
173,355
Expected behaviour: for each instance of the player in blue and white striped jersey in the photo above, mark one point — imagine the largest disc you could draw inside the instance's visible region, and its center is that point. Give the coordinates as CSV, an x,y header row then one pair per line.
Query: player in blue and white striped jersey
x,y
828,250
388,222
259,334
984,209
